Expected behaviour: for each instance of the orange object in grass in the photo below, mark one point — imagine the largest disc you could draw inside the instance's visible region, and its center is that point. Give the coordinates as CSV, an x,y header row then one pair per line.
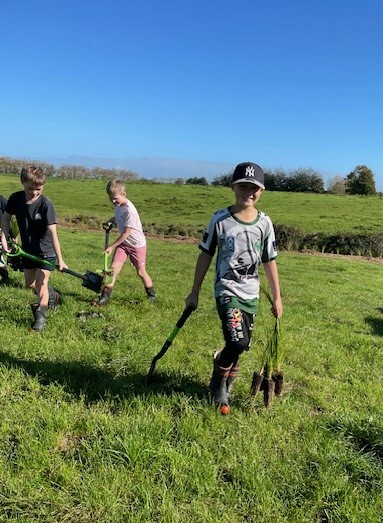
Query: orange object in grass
x,y
224,410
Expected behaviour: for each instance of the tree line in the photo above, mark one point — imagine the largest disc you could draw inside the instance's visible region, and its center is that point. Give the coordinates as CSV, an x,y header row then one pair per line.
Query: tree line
x,y
303,179
73,172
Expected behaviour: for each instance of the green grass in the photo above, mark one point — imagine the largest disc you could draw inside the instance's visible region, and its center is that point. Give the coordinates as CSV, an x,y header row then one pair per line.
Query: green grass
x,y
84,439
188,205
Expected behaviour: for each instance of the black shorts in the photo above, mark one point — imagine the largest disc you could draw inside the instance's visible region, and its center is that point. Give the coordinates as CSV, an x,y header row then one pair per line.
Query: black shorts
x,y
31,264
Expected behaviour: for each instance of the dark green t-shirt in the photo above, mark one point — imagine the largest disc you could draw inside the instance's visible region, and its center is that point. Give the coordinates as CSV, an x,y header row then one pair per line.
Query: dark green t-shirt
x,y
33,220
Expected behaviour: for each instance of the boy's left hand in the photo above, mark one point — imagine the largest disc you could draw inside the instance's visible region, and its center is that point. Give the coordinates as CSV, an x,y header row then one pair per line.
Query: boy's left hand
x,y
108,251
62,265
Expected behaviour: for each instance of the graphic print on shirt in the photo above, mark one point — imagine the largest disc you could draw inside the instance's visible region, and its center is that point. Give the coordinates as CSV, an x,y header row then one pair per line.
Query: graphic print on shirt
x,y
243,256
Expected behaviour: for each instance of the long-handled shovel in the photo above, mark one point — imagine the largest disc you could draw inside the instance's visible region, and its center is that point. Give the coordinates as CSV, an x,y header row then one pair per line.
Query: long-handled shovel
x,y
90,280
107,272
184,316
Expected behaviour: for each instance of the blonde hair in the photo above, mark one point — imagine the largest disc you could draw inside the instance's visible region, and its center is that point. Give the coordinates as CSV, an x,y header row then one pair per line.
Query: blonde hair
x,y
33,174
115,187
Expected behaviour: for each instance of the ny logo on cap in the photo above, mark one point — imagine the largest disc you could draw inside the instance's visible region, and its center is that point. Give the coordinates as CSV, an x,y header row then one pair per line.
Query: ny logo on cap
x,y
249,171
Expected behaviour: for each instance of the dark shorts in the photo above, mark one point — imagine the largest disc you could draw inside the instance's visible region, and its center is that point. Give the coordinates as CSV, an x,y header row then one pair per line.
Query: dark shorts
x,y
31,264
237,328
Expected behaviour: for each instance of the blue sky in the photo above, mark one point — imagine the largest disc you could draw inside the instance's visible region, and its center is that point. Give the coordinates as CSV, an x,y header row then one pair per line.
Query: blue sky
x,y
192,88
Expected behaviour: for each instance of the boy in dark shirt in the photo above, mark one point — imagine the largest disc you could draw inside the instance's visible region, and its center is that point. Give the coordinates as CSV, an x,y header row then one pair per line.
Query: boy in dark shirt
x,y
36,219
3,267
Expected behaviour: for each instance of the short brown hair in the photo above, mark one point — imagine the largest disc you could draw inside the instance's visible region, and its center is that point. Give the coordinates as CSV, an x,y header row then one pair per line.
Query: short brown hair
x,y
115,187
33,174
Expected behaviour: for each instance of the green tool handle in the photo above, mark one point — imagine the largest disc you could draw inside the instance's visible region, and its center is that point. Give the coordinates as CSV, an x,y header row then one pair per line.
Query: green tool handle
x,y
106,256
19,252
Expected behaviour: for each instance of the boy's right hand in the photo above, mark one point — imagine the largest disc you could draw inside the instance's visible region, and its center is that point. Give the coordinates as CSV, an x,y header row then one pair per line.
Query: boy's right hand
x,y
192,300
5,247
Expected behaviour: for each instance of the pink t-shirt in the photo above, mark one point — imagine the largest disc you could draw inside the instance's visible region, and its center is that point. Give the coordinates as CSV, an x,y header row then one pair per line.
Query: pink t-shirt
x,y
127,216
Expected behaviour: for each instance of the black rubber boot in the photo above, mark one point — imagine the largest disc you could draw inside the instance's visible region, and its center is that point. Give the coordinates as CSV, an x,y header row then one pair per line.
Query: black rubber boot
x,y
218,383
33,308
4,276
105,296
54,298
232,377
151,294
40,314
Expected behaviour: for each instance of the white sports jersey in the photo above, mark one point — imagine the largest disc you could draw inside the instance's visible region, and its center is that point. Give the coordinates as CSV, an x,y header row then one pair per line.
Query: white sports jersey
x,y
127,216
242,247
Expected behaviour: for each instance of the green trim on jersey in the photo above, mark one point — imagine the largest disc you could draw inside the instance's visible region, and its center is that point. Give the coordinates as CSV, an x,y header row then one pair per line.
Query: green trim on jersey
x,y
242,222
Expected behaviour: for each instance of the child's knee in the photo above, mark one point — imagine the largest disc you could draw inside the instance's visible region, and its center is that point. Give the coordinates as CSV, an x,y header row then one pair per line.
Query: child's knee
x,y
141,271
231,353
239,346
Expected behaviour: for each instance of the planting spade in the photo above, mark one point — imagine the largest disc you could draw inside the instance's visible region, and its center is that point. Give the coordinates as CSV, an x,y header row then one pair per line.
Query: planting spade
x,y
90,280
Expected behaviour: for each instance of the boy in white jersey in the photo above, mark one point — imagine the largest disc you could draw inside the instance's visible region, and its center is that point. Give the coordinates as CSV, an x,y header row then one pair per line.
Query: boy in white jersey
x,y
130,244
244,238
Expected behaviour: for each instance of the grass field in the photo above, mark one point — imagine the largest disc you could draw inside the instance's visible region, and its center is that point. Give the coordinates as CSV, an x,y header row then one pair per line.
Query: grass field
x,y
192,205
83,438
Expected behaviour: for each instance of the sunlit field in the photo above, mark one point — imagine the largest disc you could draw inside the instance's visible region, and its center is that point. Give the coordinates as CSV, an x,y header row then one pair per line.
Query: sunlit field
x,y
84,437
192,205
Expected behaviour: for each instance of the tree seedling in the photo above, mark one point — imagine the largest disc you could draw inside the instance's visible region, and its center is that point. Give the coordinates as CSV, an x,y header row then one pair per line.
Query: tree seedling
x,y
270,378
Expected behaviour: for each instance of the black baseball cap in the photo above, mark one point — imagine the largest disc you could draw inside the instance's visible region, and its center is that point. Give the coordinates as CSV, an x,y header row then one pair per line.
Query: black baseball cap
x,y
249,172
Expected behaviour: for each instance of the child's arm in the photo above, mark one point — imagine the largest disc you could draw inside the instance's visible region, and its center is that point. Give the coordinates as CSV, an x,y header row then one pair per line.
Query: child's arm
x,y
5,227
202,266
271,271
56,245
119,240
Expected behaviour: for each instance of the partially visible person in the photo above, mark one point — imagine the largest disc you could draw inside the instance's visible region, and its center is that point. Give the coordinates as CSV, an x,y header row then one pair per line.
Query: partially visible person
x,y
4,276
37,222
131,242
243,238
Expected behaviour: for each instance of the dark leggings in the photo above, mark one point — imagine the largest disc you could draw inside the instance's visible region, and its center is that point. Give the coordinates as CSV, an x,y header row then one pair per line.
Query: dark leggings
x,y
237,328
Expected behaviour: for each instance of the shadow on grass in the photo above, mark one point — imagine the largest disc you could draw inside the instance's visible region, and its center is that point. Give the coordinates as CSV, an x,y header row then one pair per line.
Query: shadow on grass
x,y
10,282
376,324
94,384
364,435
